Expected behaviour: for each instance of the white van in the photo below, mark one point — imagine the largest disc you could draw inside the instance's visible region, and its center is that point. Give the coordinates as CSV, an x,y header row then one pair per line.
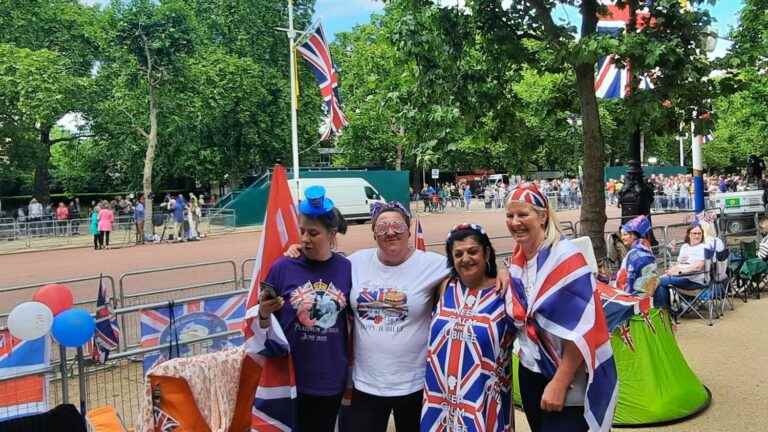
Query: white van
x,y
352,196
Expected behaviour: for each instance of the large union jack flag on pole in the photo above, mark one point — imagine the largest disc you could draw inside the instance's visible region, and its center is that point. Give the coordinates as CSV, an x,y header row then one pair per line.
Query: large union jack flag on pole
x,y
315,51
612,81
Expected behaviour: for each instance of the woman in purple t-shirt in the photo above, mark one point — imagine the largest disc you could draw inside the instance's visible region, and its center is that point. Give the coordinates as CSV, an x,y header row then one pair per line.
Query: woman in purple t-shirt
x,y
311,306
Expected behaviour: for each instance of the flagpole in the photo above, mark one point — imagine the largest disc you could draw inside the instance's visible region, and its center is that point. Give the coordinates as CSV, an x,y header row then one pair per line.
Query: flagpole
x,y
294,119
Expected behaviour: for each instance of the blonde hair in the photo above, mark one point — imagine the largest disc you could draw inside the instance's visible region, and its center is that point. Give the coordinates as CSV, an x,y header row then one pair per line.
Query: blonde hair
x,y
552,228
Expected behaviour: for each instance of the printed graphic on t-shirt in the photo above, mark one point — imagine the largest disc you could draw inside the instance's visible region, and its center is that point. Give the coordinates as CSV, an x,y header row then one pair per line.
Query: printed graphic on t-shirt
x,y
382,309
317,304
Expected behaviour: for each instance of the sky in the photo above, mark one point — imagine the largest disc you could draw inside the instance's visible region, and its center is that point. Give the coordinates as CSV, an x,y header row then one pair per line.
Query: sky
x,y
342,15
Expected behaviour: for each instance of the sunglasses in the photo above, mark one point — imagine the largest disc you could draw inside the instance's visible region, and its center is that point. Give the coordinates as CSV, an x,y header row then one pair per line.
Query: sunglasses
x,y
383,228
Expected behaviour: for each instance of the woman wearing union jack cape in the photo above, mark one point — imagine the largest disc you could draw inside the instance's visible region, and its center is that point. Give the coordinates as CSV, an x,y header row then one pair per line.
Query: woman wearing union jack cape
x,y
567,374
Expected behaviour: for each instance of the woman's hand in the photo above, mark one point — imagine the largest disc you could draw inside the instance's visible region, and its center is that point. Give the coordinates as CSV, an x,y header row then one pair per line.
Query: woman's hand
x,y
266,308
293,251
553,397
503,281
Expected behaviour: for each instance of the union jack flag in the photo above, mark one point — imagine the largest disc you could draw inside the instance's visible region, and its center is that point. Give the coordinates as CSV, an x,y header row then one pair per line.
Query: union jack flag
x,y
467,380
419,237
315,51
107,335
274,405
163,421
612,81
619,306
191,320
567,305
26,395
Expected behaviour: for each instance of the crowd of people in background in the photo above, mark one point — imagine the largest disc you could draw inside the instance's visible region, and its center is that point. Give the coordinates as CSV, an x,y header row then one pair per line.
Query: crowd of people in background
x,y
675,192
178,215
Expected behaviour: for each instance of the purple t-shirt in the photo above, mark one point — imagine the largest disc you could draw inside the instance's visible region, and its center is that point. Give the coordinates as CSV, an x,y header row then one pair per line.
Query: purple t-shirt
x,y
314,319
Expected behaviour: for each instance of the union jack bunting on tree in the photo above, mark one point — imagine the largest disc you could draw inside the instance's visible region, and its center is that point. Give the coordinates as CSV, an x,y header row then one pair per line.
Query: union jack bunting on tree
x,y
612,81
315,51
107,336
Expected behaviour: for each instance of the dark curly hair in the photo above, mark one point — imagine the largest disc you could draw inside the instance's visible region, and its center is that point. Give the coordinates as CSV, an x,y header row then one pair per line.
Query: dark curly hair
x,y
463,232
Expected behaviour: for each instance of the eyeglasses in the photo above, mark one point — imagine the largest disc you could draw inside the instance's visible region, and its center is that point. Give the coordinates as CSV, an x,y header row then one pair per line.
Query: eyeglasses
x,y
383,228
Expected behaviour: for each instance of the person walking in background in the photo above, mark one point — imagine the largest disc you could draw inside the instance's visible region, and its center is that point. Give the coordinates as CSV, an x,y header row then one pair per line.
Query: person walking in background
x,y
193,217
94,227
74,216
178,217
138,219
467,196
62,214
106,218
35,214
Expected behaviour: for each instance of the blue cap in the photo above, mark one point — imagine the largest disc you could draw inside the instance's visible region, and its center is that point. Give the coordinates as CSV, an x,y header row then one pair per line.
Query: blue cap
x,y
315,202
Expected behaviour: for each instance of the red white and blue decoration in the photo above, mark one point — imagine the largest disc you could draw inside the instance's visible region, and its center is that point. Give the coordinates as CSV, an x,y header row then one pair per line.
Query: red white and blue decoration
x,y
315,51
191,320
419,241
107,336
528,193
612,81
567,305
26,394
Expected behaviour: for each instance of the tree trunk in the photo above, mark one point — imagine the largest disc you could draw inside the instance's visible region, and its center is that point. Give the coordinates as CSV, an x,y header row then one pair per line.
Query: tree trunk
x,y
593,216
149,158
41,183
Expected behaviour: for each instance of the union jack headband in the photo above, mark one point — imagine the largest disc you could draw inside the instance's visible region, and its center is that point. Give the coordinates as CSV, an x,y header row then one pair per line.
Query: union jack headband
x,y
528,193
378,207
470,226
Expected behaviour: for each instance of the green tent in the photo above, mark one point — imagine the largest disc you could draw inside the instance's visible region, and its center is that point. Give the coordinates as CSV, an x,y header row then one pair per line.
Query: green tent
x,y
655,383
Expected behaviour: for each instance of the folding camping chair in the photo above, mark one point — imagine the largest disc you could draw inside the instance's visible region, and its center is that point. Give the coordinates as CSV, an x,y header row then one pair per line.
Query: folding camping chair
x,y
752,270
690,299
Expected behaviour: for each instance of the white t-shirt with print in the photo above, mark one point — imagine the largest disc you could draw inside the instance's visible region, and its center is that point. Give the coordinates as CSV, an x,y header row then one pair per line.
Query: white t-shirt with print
x,y
392,306
690,255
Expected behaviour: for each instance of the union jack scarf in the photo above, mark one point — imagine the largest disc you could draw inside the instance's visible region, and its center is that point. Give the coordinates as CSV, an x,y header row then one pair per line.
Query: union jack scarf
x,y
567,305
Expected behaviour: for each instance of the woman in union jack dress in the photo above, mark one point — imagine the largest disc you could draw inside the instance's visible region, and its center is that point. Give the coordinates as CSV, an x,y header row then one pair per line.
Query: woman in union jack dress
x,y
637,274
467,379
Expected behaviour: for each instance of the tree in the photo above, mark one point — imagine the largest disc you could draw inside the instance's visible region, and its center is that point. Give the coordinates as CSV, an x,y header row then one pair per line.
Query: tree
x,y
153,40
506,36
47,53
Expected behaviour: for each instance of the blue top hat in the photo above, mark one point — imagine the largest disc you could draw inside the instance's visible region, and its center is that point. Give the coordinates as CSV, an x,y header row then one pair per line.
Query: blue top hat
x,y
315,202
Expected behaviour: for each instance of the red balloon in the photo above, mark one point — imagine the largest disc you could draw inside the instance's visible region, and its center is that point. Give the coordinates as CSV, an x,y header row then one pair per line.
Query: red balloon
x,y
56,296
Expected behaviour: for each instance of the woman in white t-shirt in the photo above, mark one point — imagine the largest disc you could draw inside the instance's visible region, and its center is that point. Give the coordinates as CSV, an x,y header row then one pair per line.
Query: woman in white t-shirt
x,y
689,260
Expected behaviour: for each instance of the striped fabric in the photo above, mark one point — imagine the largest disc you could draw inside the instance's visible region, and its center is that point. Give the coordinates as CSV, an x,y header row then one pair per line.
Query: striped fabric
x,y
530,194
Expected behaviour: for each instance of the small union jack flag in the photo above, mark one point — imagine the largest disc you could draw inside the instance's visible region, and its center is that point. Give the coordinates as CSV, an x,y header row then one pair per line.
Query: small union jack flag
x,y
107,335
163,421
315,51
419,237
626,336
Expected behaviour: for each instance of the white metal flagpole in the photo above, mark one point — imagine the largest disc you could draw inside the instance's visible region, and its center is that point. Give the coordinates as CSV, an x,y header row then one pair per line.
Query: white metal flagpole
x,y
294,119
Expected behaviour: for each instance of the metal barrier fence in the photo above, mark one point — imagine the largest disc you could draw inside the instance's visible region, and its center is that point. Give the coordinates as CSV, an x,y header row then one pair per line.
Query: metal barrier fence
x,y
52,233
212,280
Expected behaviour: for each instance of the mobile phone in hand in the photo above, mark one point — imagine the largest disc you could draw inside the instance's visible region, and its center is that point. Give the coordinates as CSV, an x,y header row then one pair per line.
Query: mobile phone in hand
x,y
267,291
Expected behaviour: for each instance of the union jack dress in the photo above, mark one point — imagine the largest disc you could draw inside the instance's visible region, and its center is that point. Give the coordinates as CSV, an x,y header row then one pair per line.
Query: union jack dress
x,y
467,381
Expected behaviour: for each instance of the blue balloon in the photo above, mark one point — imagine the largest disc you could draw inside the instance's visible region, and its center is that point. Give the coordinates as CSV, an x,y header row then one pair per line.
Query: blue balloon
x,y
73,327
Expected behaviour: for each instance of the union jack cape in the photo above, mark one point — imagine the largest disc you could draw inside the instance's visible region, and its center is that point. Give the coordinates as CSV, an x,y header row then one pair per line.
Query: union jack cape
x,y
567,305
612,81
107,336
315,51
274,405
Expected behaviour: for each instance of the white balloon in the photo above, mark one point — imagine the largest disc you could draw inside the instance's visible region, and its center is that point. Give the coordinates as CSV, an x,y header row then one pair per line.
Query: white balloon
x,y
30,320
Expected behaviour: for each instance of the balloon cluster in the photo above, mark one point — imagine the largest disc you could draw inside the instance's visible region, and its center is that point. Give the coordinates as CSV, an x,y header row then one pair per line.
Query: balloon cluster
x,y
51,311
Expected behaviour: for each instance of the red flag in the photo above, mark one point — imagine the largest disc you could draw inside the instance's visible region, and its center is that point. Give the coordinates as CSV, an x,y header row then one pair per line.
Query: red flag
x,y
281,229
419,237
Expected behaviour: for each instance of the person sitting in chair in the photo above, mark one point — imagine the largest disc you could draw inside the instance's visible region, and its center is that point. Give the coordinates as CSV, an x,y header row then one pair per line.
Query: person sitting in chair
x,y
688,272
637,274
762,251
